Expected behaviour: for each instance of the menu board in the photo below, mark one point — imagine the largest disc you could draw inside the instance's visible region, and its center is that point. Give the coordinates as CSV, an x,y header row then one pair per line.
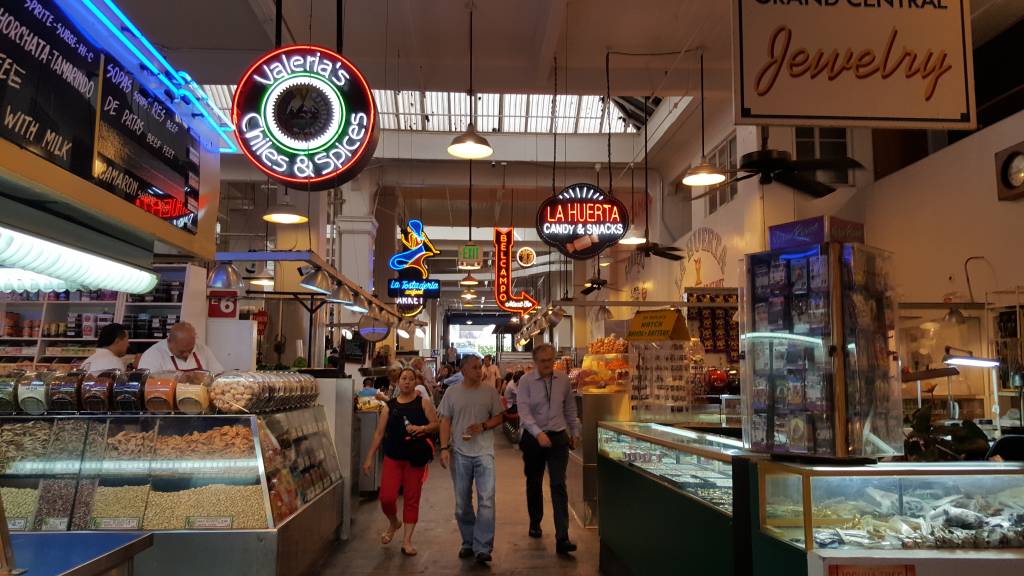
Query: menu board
x,y
719,333
54,83
144,152
49,80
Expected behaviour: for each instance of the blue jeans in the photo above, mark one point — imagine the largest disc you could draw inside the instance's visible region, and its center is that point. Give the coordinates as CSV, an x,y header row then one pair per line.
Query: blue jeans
x,y
477,529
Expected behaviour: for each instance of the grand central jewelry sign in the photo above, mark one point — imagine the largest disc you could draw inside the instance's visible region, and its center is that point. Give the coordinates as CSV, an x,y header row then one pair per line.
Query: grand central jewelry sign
x,y
878,63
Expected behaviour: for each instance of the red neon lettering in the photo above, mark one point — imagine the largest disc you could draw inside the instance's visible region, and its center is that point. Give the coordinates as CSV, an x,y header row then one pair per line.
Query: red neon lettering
x,y
582,213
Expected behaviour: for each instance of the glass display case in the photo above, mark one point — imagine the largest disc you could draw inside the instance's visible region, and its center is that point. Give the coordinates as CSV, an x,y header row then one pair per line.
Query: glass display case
x,y
820,369
694,463
163,473
893,506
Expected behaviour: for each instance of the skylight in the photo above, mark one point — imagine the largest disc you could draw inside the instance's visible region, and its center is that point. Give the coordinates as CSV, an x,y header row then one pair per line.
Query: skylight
x,y
417,111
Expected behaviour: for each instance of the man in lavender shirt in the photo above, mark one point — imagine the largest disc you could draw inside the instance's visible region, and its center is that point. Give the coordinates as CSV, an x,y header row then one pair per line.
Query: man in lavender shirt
x,y
547,415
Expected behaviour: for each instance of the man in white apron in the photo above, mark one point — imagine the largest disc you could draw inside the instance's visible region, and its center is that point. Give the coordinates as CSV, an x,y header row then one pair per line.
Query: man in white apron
x,y
180,352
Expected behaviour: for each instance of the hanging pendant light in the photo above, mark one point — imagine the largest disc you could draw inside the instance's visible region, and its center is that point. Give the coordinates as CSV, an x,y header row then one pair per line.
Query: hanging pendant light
x,y
470,145
318,281
402,330
359,304
468,294
420,332
605,313
469,280
264,278
225,276
340,295
705,173
284,212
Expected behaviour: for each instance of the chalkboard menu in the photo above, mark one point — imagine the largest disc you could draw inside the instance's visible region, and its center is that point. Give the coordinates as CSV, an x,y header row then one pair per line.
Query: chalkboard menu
x,y
49,78
718,332
144,152
53,83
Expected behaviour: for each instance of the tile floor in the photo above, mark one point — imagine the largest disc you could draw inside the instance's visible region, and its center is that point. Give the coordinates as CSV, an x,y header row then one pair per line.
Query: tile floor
x,y
437,538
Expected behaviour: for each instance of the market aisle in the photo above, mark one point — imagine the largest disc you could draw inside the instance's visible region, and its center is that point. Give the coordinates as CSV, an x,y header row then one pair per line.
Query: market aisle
x,y
437,537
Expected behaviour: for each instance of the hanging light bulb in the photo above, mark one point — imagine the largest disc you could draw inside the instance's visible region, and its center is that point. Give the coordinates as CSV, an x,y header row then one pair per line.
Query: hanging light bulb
x,y
284,213
264,278
705,173
470,145
225,276
515,319
469,280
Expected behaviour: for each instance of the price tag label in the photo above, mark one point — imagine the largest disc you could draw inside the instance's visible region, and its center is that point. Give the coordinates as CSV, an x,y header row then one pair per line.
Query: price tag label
x,y
17,524
55,524
209,522
116,523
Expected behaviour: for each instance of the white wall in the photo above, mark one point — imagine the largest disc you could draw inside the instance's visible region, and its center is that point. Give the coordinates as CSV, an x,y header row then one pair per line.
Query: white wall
x,y
937,212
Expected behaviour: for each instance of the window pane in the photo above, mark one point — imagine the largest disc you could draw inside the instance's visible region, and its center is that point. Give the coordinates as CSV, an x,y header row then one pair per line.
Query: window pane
x,y
805,132
805,149
832,149
732,153
832,133
712,202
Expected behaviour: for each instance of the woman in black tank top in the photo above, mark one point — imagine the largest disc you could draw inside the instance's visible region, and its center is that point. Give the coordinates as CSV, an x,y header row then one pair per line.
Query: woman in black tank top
x,y
405,423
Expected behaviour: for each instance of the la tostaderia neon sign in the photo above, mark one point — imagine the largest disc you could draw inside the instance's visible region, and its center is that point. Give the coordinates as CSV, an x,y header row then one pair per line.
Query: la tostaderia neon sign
x,y
305,116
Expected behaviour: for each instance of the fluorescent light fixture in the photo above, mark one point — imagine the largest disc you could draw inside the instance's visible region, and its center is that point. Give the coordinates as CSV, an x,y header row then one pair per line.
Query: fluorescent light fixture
x,y
71,266
359,304
225,276
18,280
284,213
955,360
470,145
704,174
780,336
317,281
469,280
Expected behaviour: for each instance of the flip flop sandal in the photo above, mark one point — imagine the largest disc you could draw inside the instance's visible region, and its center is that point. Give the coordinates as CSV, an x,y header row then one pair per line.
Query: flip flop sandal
x,y
389,534
408,552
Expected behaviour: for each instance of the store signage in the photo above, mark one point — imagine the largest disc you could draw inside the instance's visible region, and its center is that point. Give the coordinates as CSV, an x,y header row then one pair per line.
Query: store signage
x,y
581,221
410,306
262,318
68,102
816,230
704,259
222,304
526,256
522,303
305,116
399,287
852,63
418,249
657,326
470,257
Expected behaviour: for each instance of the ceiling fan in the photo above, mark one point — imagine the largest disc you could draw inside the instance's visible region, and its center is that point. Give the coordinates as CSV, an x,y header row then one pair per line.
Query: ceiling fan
x,y
779,166
648,248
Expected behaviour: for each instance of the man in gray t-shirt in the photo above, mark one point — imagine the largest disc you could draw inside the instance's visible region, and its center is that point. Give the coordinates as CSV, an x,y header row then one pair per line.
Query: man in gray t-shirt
x,y
470,411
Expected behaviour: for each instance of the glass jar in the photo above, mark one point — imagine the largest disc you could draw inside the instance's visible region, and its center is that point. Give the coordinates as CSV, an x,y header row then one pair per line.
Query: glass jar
x,y
66,391
128,391
192,391
238,392
8,389
33,391
98,390
159,392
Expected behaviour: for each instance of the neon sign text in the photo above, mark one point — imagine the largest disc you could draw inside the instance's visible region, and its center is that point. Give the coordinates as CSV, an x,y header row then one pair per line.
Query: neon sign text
x,y
582,221
521,303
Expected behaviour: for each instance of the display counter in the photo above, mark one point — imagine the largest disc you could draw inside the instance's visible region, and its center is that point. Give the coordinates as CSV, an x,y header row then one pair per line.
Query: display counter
x,y
916,514
95,554
216,481
667,500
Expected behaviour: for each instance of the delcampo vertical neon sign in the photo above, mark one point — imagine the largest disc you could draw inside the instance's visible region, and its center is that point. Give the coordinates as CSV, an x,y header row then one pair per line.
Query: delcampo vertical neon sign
x,y
522,303
305,116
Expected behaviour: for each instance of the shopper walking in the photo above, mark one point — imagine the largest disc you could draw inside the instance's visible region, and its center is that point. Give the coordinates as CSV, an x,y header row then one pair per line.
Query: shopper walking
x,y
451,355
491,374
469,412
547,415
404,425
